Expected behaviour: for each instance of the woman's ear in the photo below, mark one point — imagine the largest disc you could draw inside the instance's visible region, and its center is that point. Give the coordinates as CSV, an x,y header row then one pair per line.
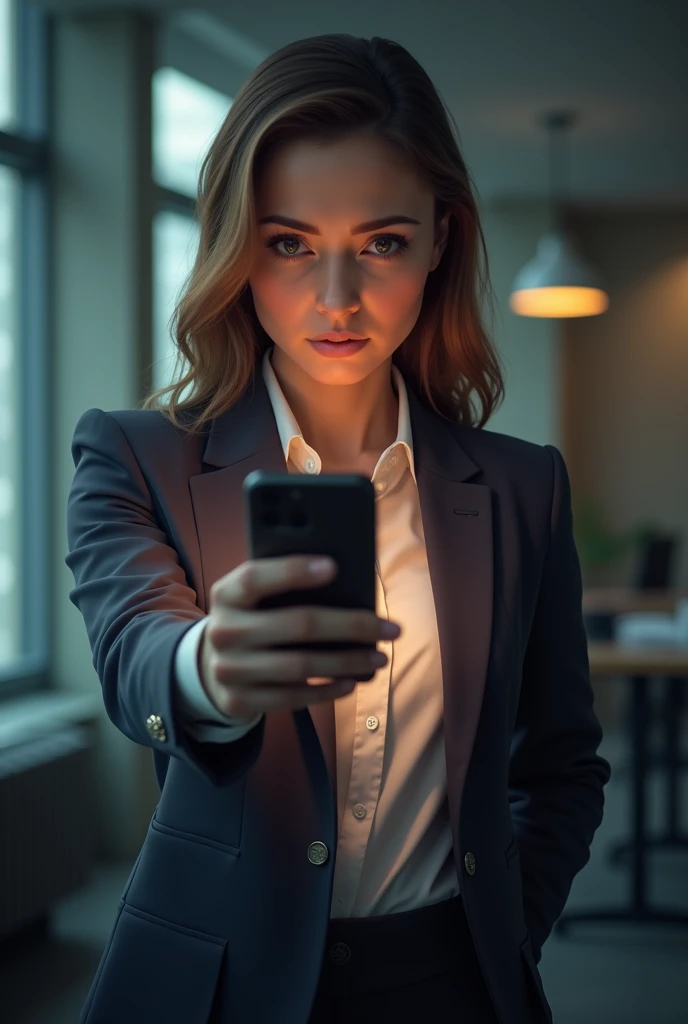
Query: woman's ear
x,y
441,235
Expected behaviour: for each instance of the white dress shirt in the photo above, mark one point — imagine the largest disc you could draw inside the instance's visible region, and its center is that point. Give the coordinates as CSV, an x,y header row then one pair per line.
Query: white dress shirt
x,y
394,851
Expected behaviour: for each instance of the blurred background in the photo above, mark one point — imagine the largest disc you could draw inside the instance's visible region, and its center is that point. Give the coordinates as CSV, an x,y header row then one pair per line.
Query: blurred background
x,y
573,122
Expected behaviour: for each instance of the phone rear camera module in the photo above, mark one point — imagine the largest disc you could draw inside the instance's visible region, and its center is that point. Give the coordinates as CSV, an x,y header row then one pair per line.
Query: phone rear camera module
x,y
270,519
270,496
298,520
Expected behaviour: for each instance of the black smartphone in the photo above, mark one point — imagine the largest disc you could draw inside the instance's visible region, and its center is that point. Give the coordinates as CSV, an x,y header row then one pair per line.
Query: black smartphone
x,y
325,514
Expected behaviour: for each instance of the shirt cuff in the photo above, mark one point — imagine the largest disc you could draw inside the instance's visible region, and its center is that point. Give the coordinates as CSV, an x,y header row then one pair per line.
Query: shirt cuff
x,y
201,718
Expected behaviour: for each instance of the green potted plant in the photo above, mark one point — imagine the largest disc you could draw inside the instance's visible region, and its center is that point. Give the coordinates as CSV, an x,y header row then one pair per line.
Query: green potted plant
x,y
600,546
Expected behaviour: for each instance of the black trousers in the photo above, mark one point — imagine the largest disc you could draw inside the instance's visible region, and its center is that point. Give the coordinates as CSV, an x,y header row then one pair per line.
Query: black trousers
x,y
402,969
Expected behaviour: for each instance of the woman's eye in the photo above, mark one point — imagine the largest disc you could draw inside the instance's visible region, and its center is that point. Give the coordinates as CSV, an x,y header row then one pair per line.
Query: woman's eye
x,y
383,246
388,242
291,246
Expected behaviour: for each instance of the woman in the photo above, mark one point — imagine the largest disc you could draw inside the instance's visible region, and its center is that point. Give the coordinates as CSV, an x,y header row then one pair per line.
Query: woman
x,y
324,851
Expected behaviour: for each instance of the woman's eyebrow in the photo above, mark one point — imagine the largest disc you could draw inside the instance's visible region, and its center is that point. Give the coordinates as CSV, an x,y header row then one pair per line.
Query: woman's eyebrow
x,y
370,225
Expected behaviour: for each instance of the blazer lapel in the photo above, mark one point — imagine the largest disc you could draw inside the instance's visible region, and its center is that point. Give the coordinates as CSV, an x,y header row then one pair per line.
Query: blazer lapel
x,y
457,521
243,439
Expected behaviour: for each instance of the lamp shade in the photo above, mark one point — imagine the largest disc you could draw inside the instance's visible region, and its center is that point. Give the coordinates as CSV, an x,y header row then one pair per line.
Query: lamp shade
x,y
557,283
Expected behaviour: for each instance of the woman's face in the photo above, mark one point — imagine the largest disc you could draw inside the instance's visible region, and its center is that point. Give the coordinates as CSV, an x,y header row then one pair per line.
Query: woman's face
x,y
342,274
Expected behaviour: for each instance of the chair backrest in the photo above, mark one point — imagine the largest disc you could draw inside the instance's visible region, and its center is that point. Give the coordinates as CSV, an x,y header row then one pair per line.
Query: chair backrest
x,y
657,561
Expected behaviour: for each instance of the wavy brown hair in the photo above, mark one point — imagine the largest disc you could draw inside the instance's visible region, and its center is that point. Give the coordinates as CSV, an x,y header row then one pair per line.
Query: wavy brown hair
x,y
329,87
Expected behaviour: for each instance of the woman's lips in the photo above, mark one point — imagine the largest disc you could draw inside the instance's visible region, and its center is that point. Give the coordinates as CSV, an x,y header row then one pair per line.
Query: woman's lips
x,y
338,349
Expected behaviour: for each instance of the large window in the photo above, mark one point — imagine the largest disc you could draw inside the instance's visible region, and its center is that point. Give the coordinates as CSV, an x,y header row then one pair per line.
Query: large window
x,y
8,73
24,522
175,240
10,545
186,117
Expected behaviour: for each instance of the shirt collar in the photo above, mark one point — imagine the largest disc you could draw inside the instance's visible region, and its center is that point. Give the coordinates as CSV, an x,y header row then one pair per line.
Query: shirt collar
x,y
293,441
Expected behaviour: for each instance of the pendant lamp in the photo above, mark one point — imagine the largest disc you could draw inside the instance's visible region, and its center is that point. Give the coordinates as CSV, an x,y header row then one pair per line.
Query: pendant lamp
x,y
557,282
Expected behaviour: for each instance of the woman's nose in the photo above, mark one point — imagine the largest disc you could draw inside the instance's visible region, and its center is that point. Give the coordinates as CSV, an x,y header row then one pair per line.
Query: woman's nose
x,y
338,293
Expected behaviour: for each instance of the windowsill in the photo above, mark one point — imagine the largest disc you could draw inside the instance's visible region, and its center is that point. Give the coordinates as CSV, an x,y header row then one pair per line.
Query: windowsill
x,y
36,714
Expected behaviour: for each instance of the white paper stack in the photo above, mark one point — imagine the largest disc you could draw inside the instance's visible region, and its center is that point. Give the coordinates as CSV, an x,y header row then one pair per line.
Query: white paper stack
x,y
642,629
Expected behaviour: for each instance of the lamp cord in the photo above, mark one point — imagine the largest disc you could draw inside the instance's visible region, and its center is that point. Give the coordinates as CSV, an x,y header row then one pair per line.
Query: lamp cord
x,y
557,123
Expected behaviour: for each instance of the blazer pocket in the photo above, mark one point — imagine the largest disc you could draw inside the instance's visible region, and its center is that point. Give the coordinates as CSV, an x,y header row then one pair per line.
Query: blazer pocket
x,y
154,970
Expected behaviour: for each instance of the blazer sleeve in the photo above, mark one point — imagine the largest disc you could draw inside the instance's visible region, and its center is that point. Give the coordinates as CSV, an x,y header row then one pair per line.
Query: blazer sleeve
x,y
136,602
556,777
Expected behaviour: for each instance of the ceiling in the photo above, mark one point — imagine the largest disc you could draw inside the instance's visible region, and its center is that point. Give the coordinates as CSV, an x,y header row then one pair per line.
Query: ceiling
x,y
622,66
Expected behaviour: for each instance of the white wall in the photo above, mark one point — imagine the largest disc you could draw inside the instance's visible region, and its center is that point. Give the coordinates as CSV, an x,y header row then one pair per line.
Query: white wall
x,y
626,397
529,347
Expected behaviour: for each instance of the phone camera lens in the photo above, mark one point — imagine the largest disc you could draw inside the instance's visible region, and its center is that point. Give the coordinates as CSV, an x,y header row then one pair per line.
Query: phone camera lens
x,y
270,496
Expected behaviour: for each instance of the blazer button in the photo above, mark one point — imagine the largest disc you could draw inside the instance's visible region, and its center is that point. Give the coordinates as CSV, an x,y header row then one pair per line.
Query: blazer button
x,y
156,728
318,853
340,953
469,861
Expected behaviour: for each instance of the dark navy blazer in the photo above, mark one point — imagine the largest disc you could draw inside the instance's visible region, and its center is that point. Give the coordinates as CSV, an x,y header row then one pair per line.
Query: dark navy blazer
x,y
224,918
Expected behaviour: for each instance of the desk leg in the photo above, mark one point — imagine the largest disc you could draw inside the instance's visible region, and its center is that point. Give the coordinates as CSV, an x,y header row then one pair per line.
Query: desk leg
x,y
640,718
638,911
671,761
674,704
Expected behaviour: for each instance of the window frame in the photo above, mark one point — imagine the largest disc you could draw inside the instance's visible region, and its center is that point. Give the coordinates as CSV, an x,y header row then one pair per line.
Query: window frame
x,y
169,200
25,149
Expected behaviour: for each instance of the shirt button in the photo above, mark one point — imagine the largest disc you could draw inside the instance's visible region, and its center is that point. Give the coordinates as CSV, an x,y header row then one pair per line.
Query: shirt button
x,y
393,460
379,487
372,723
469,861
359,811
310,465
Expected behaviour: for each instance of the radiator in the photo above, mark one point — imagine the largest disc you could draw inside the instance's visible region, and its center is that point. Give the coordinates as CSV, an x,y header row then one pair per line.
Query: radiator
x,y
47,837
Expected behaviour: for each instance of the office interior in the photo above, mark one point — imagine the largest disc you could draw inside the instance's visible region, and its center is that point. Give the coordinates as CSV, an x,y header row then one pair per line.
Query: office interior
x,y
106,109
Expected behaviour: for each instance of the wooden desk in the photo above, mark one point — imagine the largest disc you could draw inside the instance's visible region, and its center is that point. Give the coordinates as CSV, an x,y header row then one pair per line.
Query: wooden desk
x,y
639,665
611,659
620,600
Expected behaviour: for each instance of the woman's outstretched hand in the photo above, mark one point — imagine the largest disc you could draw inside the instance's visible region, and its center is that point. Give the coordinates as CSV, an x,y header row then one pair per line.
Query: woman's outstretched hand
x,y
240,672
